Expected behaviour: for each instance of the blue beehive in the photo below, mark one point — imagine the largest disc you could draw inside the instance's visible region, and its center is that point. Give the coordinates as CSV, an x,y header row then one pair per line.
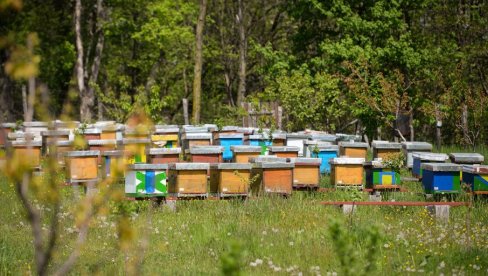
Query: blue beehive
x,y
261,140
440,178
420,158
228,140
326,153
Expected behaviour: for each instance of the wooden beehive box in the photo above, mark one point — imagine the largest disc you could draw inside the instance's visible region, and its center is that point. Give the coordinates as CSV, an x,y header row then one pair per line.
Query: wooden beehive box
x,y
230,179
466,158
224,130
284,151
51,136
82,166
262,141
205,154
325,153
164,155
296,140
5,129
28,151
102,146
380,177
420,158
441,178
196,139
347,171
146,180
60,148
476,177
246,131
353,149
241,154
35,128
411,147
310,145
384,149
135,150
188,179
226,140
306,173
166,136
108,131
279,139
272,177
113,163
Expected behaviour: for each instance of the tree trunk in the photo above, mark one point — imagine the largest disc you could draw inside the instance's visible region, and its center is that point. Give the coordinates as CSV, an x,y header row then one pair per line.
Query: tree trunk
x,y
85,112
438,135
197,79
410,125
241,91
464,123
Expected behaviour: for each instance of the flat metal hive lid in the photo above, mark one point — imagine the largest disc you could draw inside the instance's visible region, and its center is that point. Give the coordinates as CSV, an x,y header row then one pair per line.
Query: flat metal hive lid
x,y
195,129
327,148
35,124
206,150
268,158
325,137
167,130
64,143
280,136
441,167
348,137
7,125
116,153
347,161
197,136
377,163
476,169
230,136
284,149
127,141
429,156
82,153
102,142
385,145
232,166
471,158
353,145
162,151
229,128
245,148
297,136
90,131
306,161
273,165
246,130
411,146
189,166
23,143
20,135
147,167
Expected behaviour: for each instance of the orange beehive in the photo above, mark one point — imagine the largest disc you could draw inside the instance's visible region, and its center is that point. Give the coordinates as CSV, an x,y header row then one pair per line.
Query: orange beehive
x,y
188,179
205,154
279,139
241,154
272,176
306,173
383,149
346,171
353,149
28,151
90,133
82,166
284,151
230,179
164,155
196,139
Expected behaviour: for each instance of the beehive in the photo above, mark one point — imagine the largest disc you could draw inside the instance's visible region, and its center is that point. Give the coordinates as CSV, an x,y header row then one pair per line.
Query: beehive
x,y
60,148
262,141
296,140
410,147
306,172
52,136
102,146
241,154
476,177
380,177
272,177
108,131
441,178
139,132
326,153
5,129
323,137
196,139
82,166
206,154
90,133
164,155
467,158
28,151
384,149
135,150
64,125
227,140
166,137
35,128
279,139
353,149
188,179
284,152
310,145
420,158
113,163
225,130
346,171
146,180
230,179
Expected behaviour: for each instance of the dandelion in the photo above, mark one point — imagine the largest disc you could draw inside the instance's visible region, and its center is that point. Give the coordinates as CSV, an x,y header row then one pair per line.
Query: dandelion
x,y
259,261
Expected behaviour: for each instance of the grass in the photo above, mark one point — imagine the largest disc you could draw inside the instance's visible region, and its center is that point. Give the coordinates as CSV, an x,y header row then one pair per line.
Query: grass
x,y
260,236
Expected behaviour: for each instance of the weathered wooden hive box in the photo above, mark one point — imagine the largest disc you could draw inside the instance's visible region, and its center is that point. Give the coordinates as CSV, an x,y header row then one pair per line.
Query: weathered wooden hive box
x,y
102,146
205,154
380,177
420,158
113,163
411,147
310,145
325,153
146,180
166,136
353,149
275,177
135,150
262,141
384,149
50,137
82,166
284,151
241,154
347,171
164,155
230,179
306,172
196,139
227,140
441,178
225,130
91,133
466,158
296,140
5,129
36,128
188,179
246,131
476,177
279,139
28,151
108,131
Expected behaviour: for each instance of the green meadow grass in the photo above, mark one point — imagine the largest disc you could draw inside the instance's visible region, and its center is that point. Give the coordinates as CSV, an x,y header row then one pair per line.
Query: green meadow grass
x,y
260,236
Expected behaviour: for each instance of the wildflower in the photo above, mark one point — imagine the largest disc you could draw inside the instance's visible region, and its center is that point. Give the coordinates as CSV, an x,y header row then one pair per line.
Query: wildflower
x,y
291,243
259,261
253,264
264,232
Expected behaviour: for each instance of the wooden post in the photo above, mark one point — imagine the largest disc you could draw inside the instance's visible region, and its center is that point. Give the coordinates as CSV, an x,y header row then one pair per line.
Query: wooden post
x,y
185,111
24,102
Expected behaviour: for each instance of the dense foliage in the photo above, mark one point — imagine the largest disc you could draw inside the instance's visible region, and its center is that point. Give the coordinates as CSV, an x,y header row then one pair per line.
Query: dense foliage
x,y
398,67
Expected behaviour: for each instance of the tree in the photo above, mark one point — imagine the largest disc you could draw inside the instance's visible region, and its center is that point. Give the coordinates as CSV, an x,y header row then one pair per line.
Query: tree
x,y
197,77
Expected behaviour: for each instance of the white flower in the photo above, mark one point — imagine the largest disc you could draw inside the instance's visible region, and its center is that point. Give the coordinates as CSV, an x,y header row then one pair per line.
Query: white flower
x,y
386,245
265,233
253,264
442,265
277,268
291,243
259,261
